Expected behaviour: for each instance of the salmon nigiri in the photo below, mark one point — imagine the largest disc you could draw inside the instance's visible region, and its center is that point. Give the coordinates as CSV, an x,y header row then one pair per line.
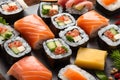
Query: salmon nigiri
x,y
91,22
29,68
34,30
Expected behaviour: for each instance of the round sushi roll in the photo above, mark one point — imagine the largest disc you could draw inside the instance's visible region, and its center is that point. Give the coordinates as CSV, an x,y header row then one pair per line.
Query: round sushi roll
x,y
108,7
15,49
62,21
109,37
72,72
57,51
10,10
6,33
74,36
48,9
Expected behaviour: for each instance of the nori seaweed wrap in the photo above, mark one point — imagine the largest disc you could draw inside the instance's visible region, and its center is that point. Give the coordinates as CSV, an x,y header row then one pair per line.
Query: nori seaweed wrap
x,y
62,21
48,9
14,49
109,9
109,37
57,51
74,36
6,33
10,10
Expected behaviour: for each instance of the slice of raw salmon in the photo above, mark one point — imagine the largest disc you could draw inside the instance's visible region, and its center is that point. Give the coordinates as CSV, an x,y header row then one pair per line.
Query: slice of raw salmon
x,y
91,22
29,68
34,30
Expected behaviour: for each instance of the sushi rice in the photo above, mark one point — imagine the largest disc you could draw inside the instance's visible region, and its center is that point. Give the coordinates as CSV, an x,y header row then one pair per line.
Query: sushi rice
x,y
4,3
10,52
106,39
51,54
48,3
111,7
67,25
83,35
87,75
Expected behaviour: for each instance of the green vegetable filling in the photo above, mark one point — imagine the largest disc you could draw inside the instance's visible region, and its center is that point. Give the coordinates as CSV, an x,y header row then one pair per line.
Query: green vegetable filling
x,y
70,38
6,35
101,75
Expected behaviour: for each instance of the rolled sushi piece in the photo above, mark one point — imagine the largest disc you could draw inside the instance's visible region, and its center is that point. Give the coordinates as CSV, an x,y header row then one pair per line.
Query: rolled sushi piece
x,y
6,33
15,49
48,9
73,72
57,52
10,10
108,7
74,36
109,37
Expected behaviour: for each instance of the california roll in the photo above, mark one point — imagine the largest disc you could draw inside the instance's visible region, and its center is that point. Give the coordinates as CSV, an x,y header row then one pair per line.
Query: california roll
x,y
57,51
6,33
14,49
74,36
109,37
73,72
10,10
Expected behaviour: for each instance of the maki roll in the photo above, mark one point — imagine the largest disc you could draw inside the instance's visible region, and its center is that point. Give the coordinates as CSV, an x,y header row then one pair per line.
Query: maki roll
x,y
6,33
57,51
15,49
109,37
48,9
10,10
72,72
62,21
108,7
74,36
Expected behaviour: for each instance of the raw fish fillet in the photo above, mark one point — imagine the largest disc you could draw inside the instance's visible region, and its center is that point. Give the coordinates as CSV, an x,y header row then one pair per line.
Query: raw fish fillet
x,y
91,22
34,30
29,68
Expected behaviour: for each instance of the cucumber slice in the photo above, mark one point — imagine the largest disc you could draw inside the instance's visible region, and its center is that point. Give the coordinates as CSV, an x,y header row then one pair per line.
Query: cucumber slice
x,y
70,38
7,34
113,31
47,7
61,23
51,45
58,43
15,50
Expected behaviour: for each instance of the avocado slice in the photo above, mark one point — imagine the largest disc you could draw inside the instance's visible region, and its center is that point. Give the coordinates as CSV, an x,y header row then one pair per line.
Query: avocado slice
x,y
113,31
15,50
7,34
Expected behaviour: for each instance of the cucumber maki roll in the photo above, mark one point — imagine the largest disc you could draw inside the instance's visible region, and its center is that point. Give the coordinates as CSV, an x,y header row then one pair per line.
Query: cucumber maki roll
x,y
57,51
74,36
10,10
109,37
108,7
73,72
15,49
6,33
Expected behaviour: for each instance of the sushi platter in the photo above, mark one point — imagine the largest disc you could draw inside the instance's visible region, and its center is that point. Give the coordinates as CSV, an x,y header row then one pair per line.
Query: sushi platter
x,y
60,40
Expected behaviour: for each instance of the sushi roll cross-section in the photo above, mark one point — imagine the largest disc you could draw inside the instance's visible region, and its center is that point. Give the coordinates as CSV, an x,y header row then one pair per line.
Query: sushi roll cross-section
x,y
63,20
109,7
6,33
57,52
109,36
74,36
29,68
48,9
73,72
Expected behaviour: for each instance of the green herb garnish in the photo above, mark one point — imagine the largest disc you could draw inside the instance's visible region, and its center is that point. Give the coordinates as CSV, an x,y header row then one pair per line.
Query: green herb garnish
x,y
115,56
3,21
101,75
